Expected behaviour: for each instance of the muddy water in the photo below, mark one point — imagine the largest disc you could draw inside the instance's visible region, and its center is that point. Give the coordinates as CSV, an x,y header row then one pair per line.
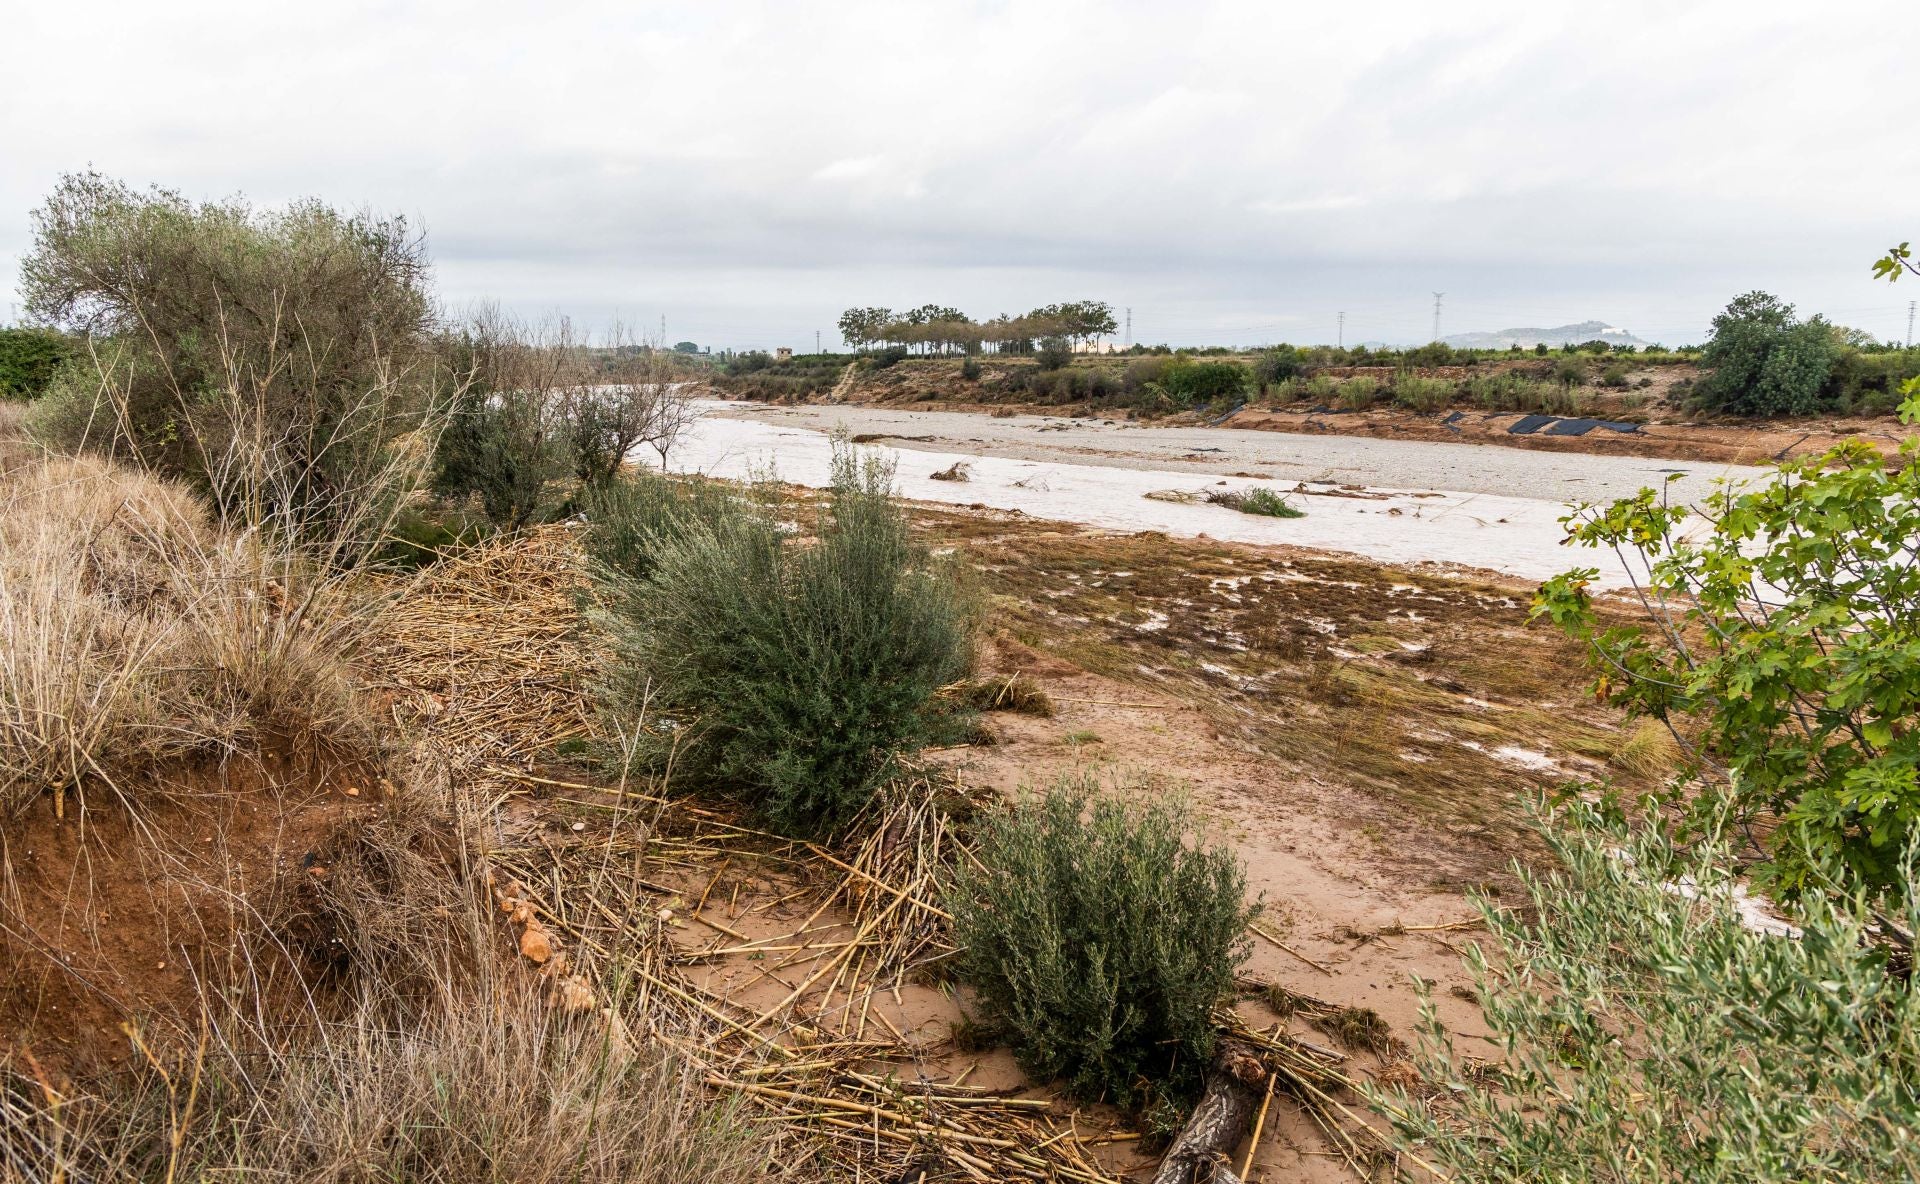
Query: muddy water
x,y
1008,465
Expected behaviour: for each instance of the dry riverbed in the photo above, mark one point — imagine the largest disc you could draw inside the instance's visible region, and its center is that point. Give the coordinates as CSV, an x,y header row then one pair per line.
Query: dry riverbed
x,y
1459,507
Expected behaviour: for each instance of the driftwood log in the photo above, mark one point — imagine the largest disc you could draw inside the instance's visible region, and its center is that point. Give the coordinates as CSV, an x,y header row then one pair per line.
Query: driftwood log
x,y
1202,1154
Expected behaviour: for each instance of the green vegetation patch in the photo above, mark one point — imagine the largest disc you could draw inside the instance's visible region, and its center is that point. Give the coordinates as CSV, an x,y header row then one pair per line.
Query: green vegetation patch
x,y
1101,935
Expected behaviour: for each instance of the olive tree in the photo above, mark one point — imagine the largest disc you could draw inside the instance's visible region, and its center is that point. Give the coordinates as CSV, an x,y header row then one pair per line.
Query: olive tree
x,y
1643,1030
278,359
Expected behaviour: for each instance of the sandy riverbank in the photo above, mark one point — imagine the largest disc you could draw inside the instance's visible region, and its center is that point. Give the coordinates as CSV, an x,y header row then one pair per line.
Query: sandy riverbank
x,y
1280,456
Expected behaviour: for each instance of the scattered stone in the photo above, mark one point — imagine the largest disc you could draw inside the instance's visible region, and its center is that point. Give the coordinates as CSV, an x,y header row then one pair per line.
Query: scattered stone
x,y
535,945
572,994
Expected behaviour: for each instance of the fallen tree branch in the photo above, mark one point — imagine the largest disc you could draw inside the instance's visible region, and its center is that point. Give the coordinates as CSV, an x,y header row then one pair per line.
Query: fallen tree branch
x,y
1236,1082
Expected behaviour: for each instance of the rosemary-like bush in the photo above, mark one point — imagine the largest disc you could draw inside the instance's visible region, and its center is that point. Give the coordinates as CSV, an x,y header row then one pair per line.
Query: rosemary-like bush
x,y
793,668
1100,937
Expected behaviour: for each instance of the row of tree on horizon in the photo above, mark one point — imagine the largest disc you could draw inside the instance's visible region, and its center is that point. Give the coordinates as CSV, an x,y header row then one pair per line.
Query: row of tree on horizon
x,y
935,328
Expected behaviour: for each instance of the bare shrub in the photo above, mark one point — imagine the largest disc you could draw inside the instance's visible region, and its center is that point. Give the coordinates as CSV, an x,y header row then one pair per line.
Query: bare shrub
x,y
543,405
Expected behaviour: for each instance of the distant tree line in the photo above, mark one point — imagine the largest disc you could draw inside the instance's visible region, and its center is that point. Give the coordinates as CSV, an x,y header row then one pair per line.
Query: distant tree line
x,y
934,328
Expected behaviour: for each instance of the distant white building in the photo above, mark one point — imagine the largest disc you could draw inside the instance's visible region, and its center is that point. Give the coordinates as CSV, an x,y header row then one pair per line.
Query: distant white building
x,y
783,354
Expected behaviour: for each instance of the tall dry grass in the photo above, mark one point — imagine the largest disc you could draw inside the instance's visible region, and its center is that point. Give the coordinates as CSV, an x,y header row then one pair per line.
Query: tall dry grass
x,y
138,630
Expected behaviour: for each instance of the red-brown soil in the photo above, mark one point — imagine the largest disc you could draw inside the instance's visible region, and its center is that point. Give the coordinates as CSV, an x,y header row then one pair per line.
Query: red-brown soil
x,y
113,915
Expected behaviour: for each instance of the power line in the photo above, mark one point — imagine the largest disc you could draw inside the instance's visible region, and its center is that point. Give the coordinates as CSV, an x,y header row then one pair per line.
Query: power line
x,y
1436,314
1910,307
1129,328
1341,333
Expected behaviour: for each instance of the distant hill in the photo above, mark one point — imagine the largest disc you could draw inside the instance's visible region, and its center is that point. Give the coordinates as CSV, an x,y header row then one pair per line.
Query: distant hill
x,y
1553,338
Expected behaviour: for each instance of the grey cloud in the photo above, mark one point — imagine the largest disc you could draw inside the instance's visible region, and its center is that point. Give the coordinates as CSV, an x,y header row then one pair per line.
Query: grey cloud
x,y
1233,168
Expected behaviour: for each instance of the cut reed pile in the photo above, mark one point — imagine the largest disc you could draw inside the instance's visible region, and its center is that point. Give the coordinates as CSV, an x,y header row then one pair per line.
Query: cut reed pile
x,y
628,898
487,649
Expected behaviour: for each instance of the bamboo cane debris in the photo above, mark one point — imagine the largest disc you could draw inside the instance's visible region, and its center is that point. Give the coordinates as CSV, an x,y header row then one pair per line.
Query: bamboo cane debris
x,y
485,655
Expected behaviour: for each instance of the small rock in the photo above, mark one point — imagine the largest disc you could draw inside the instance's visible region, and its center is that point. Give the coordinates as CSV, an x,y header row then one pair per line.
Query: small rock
x,y
578,827
535,945
572,994
353,791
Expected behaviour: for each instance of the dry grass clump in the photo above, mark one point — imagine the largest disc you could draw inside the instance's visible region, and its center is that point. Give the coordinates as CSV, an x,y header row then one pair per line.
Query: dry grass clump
x,y
1359,1027
1018,693
1647,750
492,1083
137,630
1259,501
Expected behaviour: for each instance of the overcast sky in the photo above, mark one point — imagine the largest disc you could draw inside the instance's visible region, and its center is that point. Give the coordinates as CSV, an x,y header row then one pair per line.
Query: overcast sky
x,y
1235,172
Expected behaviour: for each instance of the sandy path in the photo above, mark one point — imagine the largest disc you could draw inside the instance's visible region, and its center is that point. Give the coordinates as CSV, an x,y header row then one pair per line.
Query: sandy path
x,y
1391,464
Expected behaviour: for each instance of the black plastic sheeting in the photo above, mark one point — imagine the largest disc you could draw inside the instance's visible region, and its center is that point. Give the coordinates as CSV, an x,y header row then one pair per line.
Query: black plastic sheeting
x,y
1556,425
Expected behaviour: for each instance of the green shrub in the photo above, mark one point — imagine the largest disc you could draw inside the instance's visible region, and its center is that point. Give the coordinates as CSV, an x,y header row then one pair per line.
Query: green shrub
x,y
29,358
1785,631
1515,391
787,672
1423,394
1056,353
1287,390
501,447
1145,371
278,360
1649,1037
1764,362
1358,394
1869,382
1097,934
631,519
1570,370
1615,375
970,369
1193,384
1277,365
